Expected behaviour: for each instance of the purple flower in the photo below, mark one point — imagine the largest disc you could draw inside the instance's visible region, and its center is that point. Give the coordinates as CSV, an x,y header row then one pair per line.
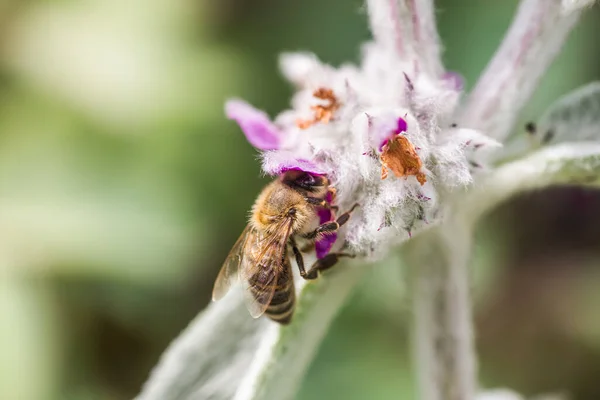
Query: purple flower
x,y
256,125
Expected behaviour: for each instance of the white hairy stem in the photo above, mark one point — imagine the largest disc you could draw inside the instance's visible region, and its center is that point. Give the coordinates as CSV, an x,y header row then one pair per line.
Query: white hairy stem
x,y
438,261
534,39
443,330
408,29
566,164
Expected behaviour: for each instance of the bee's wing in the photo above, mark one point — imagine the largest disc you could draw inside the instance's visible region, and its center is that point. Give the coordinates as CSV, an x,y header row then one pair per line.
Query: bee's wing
x,y
260,278
229,270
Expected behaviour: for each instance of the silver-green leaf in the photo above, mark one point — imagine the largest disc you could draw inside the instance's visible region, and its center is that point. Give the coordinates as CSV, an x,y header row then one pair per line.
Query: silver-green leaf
x,y
574,117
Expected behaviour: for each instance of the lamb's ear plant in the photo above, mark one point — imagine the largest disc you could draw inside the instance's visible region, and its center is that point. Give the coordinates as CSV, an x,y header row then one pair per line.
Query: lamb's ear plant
x,y
425,161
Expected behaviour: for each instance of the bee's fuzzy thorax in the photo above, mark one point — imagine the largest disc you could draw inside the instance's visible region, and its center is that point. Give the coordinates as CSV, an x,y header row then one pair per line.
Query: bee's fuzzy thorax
x,y
273,206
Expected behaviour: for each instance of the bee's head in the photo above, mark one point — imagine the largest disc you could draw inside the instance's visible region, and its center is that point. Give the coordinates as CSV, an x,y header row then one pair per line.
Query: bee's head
x,y
305,182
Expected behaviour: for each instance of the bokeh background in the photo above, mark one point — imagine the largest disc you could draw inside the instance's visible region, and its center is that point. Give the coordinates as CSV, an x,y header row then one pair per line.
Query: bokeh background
x,y
122,187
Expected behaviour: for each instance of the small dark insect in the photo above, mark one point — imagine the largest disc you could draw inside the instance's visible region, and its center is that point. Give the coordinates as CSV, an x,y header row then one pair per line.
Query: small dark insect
x,y
532,129
283,214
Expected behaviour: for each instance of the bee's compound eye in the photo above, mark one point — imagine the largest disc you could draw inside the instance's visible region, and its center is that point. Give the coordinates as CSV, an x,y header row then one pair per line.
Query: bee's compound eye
x,y
308,180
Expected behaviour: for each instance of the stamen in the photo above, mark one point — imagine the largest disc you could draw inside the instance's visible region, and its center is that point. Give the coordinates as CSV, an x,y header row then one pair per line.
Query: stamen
x,y
322,113
400,156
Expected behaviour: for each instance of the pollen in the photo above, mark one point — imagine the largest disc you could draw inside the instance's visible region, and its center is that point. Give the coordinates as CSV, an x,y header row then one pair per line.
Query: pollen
x,y
323,113
399,156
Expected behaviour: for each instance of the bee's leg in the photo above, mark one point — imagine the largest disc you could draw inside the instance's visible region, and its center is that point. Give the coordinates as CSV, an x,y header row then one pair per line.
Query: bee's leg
x,y
298,256
331,226
321,203
327,227
342,219
309,246
323,264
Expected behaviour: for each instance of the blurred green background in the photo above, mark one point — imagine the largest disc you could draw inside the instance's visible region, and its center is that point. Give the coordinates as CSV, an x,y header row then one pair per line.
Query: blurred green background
x,y
122,187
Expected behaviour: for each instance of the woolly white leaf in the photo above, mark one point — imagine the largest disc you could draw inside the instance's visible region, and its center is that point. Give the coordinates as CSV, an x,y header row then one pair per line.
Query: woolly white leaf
x,y
225,354
282,358
574,117
210,357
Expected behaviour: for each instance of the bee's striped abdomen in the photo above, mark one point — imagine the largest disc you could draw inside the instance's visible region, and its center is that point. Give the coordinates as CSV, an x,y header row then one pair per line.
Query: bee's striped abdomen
x,y
281,305
283,302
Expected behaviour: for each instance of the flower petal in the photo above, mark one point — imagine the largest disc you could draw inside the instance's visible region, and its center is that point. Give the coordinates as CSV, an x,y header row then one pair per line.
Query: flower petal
x,y
325,243
256,125
277,162
401,126
381,125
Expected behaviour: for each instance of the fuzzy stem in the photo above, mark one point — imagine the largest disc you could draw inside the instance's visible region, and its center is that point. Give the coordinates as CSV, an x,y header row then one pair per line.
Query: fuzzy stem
x,y
562,164
408,29
438,258
443,331
535,37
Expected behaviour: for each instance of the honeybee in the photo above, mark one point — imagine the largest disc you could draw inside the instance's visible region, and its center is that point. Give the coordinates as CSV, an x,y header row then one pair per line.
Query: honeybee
x,y
284,212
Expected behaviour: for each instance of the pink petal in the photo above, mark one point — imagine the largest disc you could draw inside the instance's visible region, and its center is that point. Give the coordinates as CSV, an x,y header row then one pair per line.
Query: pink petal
x,y
324,245
401,126
277,162
256,125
